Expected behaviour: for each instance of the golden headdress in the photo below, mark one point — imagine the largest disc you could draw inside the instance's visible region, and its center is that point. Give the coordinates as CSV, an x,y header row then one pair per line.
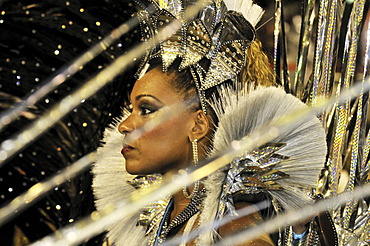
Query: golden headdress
x,y
212,45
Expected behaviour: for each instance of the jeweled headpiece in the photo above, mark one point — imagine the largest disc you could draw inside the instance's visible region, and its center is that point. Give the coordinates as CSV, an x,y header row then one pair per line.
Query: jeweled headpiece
x,y
212,45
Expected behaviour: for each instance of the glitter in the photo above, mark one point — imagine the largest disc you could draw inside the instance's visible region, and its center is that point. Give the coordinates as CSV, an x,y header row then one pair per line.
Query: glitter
x,y
1,21
3,155
59,148
70,220
56,52
47,100
86,29
68,3
95,215
8,144
63,26
37,79
98,23
3,12
10,189
82,10
84,124
18,77
42,173
58,207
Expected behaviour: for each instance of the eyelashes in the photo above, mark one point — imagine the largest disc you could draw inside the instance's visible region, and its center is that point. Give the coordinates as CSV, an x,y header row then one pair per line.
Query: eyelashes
x,y
147,109
144,109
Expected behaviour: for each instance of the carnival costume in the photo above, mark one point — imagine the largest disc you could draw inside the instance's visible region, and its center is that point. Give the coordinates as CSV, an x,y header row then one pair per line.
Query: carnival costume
x,y
212,46
38,37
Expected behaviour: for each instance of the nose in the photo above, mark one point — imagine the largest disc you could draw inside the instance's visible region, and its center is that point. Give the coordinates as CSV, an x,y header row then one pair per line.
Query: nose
x,y
126,126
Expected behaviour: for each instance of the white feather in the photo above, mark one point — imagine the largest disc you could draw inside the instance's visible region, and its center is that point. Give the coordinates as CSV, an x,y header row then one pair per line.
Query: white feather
x,y
251,12
110,186
239,115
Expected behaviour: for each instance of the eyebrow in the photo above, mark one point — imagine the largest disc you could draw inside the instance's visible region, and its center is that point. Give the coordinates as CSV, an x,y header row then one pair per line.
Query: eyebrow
x,y
147,95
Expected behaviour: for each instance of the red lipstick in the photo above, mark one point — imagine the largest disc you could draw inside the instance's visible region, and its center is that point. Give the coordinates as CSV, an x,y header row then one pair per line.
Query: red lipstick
x,y
126,149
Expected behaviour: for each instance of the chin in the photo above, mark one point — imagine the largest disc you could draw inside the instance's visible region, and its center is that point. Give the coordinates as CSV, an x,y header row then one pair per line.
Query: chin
x,y
139,167
136,169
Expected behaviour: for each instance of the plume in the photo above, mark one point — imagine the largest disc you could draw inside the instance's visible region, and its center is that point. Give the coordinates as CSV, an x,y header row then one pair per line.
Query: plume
x,y
252,12
240,114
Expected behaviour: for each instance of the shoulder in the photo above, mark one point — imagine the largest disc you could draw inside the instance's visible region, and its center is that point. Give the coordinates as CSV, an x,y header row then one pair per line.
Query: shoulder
x,y
245,222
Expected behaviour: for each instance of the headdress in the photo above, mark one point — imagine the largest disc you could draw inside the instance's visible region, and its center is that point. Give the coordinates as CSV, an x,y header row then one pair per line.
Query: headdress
x,y
212,45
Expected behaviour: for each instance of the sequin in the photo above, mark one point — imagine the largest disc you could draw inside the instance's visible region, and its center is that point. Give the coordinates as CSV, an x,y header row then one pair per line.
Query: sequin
x,y
252,173
224,47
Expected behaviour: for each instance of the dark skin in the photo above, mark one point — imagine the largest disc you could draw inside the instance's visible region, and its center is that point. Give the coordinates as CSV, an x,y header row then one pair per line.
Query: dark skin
x,y
167,148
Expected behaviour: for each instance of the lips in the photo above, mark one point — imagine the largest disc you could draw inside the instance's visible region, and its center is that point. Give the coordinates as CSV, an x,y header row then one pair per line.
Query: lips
x,y
126,149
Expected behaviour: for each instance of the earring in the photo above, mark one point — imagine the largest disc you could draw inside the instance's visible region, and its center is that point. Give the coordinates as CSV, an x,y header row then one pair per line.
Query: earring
x,y
194,146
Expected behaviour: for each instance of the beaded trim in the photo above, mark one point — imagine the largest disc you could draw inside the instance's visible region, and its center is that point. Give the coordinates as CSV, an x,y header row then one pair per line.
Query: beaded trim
x,y
213,45
163,227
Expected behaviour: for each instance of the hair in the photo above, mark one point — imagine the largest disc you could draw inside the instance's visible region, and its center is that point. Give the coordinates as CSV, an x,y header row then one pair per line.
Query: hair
x,y
257,70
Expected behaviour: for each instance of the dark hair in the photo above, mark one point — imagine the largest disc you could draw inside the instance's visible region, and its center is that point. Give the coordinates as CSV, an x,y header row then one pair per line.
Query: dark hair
x,y
182,80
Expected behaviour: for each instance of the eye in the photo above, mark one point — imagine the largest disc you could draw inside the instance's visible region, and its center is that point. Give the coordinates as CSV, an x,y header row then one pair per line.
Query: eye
x,y
146,109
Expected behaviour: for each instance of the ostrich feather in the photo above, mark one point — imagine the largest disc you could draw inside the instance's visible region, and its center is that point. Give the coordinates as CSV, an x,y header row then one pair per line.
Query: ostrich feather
x,y
240,114
110,186
252,12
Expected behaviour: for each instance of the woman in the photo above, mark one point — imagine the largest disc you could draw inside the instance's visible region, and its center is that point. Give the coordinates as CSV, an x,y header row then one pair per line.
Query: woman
x,y
220,54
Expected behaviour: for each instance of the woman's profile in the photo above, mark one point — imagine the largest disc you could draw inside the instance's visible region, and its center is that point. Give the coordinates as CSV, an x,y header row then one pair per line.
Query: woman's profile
x,y
216,67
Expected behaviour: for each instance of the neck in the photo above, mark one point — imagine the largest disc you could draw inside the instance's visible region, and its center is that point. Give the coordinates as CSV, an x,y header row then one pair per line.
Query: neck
x,y
180,202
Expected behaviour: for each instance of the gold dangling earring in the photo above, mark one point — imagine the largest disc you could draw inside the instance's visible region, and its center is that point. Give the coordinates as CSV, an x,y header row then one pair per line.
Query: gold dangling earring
x,y
194,145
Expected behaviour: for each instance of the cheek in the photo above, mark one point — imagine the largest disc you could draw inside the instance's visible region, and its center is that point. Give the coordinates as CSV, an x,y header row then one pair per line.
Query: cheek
x,y
164,148
164,139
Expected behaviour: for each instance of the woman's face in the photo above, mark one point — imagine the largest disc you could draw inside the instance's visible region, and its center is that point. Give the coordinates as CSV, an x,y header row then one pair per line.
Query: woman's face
x,y
167,147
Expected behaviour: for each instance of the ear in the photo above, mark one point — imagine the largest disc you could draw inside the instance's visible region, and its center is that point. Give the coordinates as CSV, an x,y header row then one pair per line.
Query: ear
x,y
201,125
